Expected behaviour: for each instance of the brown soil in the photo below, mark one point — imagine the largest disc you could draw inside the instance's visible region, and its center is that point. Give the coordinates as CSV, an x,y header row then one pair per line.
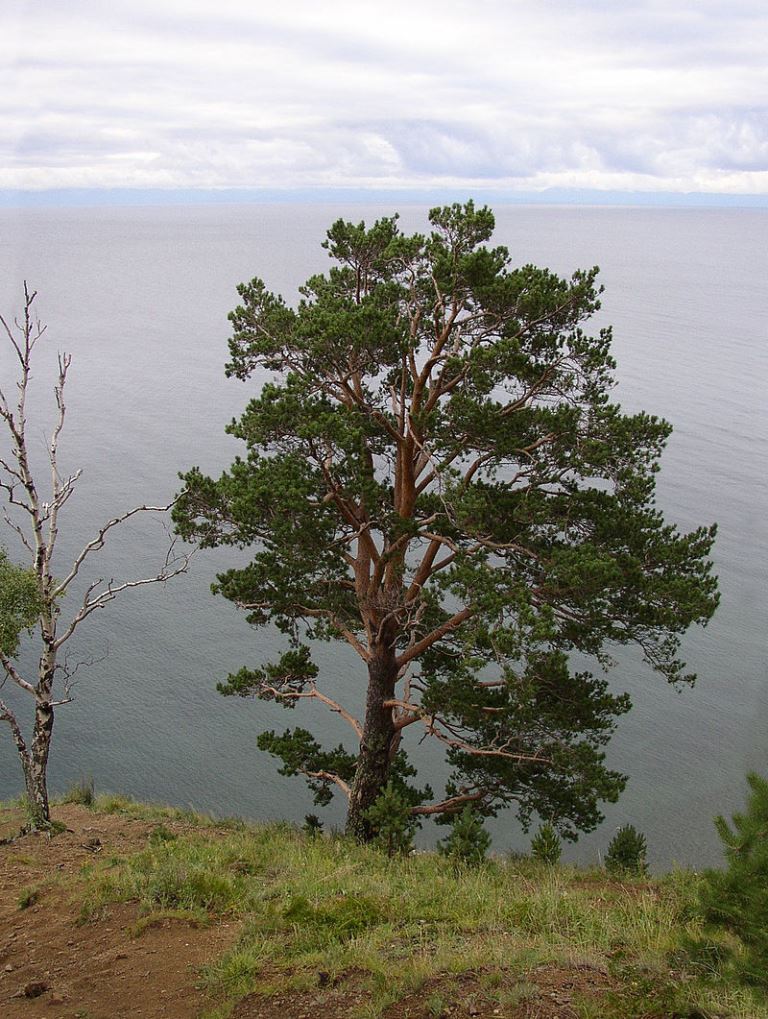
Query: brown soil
x,y
53,967
546,992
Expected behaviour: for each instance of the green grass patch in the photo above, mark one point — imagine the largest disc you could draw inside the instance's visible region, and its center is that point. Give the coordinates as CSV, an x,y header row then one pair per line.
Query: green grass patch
x,y
112,803
162,917
81,792
28,897
326,909
191,873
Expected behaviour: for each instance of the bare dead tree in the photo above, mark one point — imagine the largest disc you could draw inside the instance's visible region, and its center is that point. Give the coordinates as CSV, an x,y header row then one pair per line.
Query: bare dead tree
x,y
32,512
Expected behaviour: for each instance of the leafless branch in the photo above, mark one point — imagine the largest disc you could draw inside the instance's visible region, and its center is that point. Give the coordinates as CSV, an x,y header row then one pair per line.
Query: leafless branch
x,y
329,776
336,623
452,805
314,694
12,672
98,543
431,638
92,601
19,531
410,713
69,672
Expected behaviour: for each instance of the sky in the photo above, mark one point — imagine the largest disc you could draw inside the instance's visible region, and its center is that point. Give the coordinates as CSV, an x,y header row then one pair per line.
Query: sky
x,y
613,95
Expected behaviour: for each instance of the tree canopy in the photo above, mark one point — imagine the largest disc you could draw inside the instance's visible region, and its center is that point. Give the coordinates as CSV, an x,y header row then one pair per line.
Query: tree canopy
x,y
19,603
435,474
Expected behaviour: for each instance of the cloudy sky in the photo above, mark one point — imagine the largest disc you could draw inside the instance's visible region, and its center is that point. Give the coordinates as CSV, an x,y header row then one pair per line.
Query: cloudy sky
x,y
518,95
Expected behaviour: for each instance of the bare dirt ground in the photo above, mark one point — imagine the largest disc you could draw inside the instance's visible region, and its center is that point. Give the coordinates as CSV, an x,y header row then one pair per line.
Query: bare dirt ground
x,y
51,966
548,993
54,967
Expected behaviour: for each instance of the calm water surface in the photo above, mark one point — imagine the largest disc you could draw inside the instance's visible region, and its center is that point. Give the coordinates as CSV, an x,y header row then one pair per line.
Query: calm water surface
x,y
140,297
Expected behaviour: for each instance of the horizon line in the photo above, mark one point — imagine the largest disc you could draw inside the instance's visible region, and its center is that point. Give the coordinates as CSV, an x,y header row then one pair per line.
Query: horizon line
x,y
122,197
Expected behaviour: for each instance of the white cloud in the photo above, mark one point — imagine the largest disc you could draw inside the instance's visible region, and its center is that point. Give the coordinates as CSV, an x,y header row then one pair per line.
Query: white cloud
x,y
513,94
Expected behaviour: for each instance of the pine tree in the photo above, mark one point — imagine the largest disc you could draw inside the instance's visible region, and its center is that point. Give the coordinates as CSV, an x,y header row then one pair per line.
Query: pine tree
x,y
435,476
737,897
627,852
546,845
469,841
391,821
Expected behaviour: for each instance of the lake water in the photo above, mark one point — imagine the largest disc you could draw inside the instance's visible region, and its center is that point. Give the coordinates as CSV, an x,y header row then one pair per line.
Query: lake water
x,y
140,297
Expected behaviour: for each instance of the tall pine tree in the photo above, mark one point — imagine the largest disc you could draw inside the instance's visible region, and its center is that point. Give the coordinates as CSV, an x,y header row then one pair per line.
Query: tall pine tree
x,y
438,478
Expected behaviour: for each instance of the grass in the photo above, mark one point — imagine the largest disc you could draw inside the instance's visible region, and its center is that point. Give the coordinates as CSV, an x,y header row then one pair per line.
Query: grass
x,y
324,912
28,897
81,792
163,917
111,803
181,873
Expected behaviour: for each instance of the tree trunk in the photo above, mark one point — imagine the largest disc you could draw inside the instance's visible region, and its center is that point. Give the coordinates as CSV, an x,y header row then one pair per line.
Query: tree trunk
x,y
375,758
36,768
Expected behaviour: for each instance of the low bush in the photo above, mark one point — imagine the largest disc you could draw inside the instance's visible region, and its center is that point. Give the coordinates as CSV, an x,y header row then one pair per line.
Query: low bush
x,y
312,826
546,846
626,853
392,822
737,898
469,841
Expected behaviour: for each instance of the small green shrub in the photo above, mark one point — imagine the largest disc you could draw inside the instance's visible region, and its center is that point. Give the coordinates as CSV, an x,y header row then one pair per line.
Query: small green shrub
x,y
437,1005
626,853
391,820
737,898
312,826
190,888
546,846
469,841
704,956
234,974
642,994
112,803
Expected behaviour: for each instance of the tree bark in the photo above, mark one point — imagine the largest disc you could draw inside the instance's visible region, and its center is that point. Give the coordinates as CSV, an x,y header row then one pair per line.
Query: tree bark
x,y
376,745
35,766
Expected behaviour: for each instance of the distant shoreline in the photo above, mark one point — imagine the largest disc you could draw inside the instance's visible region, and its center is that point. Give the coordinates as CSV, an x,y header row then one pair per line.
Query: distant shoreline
x,y
101,197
